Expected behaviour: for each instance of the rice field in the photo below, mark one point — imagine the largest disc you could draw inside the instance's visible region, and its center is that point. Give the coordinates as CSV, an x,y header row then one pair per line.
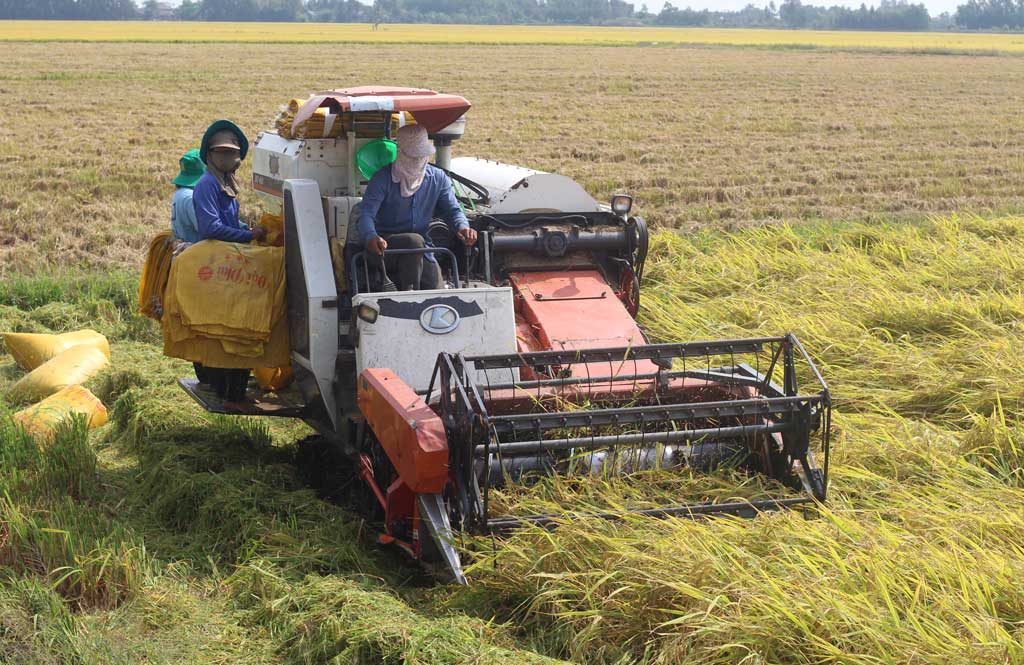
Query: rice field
x,y
365,33
870,203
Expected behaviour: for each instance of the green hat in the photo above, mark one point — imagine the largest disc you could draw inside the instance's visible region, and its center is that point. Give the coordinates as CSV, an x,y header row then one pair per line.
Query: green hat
x,y
220,125
192,169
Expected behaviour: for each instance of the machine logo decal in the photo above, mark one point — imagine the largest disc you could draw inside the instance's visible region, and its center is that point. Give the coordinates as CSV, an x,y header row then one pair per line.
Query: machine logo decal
x,y
439,319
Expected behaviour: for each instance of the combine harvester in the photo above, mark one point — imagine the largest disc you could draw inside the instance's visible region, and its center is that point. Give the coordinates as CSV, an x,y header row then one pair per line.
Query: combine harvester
x,y
531,361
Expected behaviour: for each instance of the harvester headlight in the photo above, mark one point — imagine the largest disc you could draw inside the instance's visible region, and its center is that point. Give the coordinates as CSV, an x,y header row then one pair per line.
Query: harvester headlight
x,y
368,312
622,204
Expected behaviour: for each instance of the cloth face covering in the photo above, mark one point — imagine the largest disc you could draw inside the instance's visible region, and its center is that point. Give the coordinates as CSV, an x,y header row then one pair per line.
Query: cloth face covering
x,y
414,151
223,164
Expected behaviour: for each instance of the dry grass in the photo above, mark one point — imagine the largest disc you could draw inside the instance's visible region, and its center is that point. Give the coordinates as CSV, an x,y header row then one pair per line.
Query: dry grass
x,y
702,137
364,33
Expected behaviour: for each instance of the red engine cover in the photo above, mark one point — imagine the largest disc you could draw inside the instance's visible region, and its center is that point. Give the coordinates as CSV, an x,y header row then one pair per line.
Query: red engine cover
x,y
574,310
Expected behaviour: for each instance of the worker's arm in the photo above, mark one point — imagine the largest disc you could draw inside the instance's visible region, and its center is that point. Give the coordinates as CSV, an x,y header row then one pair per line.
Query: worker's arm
x,y
373,199
208,216
448,206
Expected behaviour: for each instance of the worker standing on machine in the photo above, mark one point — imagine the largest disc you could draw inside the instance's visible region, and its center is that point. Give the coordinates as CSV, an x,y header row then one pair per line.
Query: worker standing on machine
x,y
215,199
398,205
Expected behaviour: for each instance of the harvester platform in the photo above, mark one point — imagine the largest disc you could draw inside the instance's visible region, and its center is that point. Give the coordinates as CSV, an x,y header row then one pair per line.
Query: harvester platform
x,y
267,404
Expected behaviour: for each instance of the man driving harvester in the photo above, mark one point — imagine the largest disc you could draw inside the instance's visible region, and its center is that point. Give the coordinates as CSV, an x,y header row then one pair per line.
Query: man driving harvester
x,y
400,201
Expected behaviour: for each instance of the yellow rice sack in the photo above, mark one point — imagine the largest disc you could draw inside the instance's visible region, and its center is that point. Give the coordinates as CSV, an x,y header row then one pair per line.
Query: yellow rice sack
x,y
42,418
72,367
273,379
227,285
274,224
30,350
225,306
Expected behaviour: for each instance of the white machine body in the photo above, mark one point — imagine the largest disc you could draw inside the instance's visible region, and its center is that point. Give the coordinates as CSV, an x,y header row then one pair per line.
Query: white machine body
x,y
515,189
412,327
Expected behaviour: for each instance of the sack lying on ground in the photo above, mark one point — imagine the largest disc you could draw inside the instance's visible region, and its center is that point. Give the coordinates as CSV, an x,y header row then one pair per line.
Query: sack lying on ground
x,y
41,419
155,272
225,306
72,367
30,350
273,379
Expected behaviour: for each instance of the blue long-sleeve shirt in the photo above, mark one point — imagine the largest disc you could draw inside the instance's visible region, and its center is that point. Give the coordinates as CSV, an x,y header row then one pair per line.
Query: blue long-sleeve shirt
x,y
217,213
183,216
385,211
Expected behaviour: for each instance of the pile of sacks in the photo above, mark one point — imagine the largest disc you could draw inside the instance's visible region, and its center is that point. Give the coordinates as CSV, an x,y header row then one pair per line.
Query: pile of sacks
x,y
321,125
324,124
57,367
225,306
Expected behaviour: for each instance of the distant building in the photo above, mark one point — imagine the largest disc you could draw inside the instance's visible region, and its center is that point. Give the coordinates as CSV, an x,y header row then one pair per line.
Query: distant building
x,y
159,11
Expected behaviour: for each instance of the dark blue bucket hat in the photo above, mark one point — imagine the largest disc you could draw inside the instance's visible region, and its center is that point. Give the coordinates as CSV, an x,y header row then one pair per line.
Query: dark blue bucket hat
x,y
220,125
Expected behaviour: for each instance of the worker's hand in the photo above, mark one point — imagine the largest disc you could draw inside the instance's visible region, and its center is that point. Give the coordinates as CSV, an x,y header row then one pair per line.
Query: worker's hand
x,y
259,233
468,236
377,246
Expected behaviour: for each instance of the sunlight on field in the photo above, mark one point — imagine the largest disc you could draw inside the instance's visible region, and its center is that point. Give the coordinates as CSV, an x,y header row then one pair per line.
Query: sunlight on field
x,y
118,31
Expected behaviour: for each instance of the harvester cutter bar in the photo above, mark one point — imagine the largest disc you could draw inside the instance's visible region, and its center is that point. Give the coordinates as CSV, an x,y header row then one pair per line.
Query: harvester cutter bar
x,y
741,508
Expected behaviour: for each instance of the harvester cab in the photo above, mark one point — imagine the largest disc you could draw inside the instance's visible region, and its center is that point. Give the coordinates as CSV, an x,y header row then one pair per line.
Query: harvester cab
x,y
530,361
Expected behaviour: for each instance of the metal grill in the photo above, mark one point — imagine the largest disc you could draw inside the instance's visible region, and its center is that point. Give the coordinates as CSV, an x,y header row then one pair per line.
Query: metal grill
x,y
703,405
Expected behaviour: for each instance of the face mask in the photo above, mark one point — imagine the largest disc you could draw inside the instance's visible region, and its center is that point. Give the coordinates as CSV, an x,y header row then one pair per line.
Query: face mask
x,y
225,161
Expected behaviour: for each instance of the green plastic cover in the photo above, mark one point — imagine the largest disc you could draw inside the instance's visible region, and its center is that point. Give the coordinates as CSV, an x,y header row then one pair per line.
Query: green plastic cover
x,y
375,155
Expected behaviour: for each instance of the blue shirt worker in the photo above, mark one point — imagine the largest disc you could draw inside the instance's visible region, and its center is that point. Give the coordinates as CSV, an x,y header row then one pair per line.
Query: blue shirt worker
x,y
183,213
215,200
216,194
398,205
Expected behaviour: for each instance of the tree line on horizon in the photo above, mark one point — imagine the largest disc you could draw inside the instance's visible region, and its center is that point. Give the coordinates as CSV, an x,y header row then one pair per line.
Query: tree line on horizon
x,y
901,15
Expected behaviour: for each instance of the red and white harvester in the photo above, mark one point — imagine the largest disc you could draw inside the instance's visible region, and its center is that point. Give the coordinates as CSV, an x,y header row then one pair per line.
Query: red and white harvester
x,y
529,362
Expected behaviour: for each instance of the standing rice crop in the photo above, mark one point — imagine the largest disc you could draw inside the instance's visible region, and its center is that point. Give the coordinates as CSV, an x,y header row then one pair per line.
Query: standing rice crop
x,y
917,556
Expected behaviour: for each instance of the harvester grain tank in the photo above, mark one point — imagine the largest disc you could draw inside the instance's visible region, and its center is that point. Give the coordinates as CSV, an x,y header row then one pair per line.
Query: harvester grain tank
x,y
529,362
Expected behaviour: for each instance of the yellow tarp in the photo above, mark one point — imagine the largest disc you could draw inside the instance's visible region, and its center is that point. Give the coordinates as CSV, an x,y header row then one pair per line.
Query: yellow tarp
x,y
154,275
225,306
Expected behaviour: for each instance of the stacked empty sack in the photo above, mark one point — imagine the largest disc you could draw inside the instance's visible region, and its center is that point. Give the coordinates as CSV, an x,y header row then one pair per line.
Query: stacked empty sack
x,y
225,306
57,367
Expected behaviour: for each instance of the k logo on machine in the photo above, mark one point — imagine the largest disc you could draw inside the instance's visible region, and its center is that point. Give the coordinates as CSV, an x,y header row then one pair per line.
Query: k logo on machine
x,y
439,319
275,165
